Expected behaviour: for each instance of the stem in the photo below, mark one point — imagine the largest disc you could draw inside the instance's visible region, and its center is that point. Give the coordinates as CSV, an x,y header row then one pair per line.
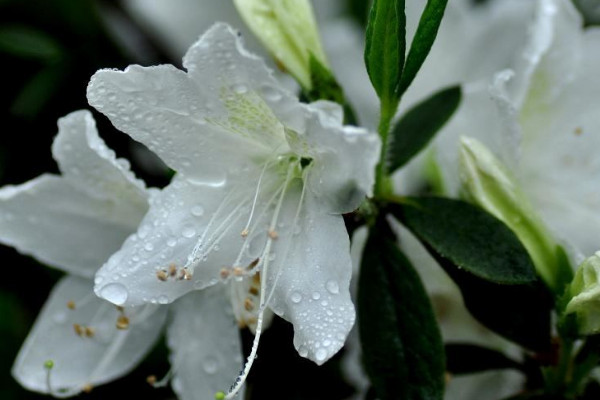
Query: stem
x,y
383,185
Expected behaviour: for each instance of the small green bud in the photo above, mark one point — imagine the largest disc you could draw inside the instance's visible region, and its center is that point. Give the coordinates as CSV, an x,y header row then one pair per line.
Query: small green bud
x,y
485,181
585,295
220,396
288,29
49,364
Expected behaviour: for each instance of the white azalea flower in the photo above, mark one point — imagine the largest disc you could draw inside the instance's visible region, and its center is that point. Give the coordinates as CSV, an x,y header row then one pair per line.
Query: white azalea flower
x,y
74,222
540,121
262,181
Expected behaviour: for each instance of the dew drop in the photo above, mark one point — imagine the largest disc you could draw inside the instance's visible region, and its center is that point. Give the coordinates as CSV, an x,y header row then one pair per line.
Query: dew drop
x,y
116,293
321,354
316,295
197,211
163,299
188,232
296,297
270,93
239,88
148,246
303,351
171,242
210,365
332,287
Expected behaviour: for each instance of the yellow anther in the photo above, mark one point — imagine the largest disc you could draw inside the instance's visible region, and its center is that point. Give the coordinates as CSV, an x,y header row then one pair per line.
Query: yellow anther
x,y
78,329
245,233
225,273
273,234
172,270
161,275
87,388
254,291
248,304
151,379
89,332
237,271
185,274
256,279
71,305
122,322
578,131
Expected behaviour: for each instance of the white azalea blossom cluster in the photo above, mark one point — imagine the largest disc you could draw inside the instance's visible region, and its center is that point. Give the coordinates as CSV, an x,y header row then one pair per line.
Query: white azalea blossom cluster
x,y
269,190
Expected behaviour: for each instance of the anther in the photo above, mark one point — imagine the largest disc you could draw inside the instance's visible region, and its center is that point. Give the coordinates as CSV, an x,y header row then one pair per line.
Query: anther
x,y
245,233
151,379
161,275
237,271
272,234
89,332
254,291
253,264
185,274
220,396
87,388
71,305
122,322
225,273
78,329
578,130
248,304
172,270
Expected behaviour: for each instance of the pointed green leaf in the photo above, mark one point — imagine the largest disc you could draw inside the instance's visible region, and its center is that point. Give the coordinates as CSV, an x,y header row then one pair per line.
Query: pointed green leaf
x,y
419,125
488,263
26,42
385,47
468,237
424,37
402,347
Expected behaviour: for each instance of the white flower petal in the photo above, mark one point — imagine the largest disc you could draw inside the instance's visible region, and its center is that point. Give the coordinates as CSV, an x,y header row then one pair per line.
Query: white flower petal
x,y
86,161
181,217
206,352
62,226
344,157
80,360
310,281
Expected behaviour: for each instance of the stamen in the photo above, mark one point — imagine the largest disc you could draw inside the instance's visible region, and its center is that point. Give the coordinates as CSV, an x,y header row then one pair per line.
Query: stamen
x,y
254,291
71,305
248,304
245,233
78,329
87,388
253,264
184,274
89,332
237,271
172,270
250,360
48,365
273,234
161,275
151,379
122,322
225,273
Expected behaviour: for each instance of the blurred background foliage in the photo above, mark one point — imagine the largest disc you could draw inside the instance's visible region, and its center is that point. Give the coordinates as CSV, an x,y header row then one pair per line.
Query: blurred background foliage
x,y
48,51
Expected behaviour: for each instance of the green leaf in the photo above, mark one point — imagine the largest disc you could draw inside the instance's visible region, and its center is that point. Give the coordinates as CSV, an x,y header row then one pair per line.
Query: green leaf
x,y
418,126
385,47
464,359
468,237
488,263
23,41
402,347
423,40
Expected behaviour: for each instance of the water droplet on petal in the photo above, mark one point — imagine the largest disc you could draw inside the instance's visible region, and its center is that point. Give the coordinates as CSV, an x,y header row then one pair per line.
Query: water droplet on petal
x,y
321,354
197,211
332,287
316,296
148,246
188,232
303,351
116,293
210,365
171,242
163,299
296,297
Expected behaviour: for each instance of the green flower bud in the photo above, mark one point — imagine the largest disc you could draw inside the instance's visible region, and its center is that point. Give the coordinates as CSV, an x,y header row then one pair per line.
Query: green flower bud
x,y
585,295
288,29
485,181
